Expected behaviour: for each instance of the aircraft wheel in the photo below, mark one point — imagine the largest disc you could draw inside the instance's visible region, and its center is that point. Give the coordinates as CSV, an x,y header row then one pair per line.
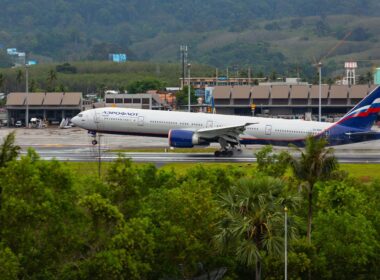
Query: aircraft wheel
x,y
217,154
230,153
94,142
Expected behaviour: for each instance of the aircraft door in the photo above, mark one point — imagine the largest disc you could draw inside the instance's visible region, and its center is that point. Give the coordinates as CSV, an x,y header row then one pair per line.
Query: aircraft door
x,y
268,129
98,120
209,123
140,121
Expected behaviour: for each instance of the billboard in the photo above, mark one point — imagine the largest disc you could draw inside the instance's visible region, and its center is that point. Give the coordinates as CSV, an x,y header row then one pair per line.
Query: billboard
x,y
118,57
32,62
208,95
12,51
199,93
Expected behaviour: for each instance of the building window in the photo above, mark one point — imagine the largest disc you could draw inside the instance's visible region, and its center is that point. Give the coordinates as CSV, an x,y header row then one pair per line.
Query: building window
x,y
127,100
110,100
145,101
118,100
136,100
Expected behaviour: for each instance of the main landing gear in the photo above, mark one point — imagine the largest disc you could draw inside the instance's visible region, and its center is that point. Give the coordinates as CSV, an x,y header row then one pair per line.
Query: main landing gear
x,y
227,149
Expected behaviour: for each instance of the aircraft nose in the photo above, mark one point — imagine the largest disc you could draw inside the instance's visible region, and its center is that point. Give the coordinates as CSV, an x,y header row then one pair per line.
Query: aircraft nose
x,y
75,120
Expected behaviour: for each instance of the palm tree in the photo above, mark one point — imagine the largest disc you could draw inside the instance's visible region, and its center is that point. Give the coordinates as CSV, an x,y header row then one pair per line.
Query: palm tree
x,y
253,221
8,150
19,77
316,163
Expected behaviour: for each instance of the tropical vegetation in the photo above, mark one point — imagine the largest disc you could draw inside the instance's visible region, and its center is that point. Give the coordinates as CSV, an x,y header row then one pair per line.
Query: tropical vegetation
x,y
139,222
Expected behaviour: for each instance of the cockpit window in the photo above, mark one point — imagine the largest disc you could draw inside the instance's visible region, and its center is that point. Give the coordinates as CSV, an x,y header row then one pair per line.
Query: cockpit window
x,y
80,115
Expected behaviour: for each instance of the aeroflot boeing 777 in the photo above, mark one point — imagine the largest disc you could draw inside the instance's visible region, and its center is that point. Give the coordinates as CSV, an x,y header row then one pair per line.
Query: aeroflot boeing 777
x,y
186,130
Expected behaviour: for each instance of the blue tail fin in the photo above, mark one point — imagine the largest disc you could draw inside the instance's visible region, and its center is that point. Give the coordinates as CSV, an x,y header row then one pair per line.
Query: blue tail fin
x,y
364,114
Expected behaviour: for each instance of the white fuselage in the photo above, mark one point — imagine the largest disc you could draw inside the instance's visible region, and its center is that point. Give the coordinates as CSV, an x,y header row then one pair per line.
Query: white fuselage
x,y
159,123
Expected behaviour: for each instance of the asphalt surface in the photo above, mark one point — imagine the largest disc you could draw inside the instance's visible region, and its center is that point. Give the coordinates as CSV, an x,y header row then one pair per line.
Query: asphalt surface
x,y
75,145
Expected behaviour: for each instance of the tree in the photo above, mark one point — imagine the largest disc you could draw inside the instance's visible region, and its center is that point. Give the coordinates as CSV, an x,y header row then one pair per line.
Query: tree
x,y
316,162
345,232
182,96
8,150
52,77
183,222
253,222
272,164
142,86
9,264
2,80
39,216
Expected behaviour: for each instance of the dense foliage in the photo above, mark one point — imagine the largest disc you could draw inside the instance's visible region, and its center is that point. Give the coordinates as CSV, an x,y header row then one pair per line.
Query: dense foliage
x,y
140,222
261,33
96,76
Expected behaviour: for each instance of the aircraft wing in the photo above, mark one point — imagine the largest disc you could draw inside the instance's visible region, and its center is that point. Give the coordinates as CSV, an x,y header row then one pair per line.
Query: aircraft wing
x,y
228,133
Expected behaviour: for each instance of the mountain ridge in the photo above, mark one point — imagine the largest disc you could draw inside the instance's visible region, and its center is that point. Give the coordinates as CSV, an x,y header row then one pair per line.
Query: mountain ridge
x,y
218,32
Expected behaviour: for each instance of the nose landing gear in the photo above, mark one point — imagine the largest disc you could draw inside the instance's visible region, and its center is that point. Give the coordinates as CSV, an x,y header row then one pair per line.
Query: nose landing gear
x,y
93,135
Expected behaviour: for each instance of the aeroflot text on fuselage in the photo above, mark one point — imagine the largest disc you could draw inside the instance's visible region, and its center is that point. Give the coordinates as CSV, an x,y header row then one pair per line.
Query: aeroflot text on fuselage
x,y
116,113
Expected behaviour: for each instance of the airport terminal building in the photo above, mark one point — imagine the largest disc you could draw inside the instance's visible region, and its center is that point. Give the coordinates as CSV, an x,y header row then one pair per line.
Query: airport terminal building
x,y
49,106
288,100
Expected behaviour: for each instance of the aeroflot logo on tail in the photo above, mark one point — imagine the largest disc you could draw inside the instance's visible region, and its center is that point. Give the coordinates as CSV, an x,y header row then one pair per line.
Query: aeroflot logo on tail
x,y
115,113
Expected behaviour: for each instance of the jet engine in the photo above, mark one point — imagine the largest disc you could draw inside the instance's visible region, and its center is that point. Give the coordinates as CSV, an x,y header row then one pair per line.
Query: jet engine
x,y
184,139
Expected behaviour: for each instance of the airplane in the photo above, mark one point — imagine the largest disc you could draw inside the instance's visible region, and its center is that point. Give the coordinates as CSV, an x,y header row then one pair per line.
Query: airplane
x,y
186,129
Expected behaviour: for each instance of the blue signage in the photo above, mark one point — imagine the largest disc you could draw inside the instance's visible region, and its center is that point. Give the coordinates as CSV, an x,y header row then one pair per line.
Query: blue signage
x,y
118,57
199,92
209,95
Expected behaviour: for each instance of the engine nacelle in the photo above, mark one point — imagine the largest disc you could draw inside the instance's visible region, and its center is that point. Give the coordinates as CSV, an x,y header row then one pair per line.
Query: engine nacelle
x,y
184,139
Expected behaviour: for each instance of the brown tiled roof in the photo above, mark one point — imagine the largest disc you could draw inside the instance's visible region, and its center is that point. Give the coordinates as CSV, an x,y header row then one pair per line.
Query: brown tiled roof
x,y
299,92
280,92
260,92
372,87
338,92
53,98
358,91
16,98
35,98
314,91
222,92
72,98
241,92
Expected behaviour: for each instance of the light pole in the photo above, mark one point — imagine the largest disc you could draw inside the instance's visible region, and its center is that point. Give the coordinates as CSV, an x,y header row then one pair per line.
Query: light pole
x,y
286,243
27,93
188,85
319,65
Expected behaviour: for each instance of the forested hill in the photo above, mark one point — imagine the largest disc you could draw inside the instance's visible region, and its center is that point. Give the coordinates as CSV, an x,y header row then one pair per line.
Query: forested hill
x,y
152,29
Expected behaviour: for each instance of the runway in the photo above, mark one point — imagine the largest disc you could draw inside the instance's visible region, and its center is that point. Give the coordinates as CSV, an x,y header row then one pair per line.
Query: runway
x,y
75,145
89,154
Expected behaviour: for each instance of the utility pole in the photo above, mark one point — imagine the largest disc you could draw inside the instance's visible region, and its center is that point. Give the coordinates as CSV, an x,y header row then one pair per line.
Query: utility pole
x,y
319,65
183,50
286,243
27,95
189,86
99,157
